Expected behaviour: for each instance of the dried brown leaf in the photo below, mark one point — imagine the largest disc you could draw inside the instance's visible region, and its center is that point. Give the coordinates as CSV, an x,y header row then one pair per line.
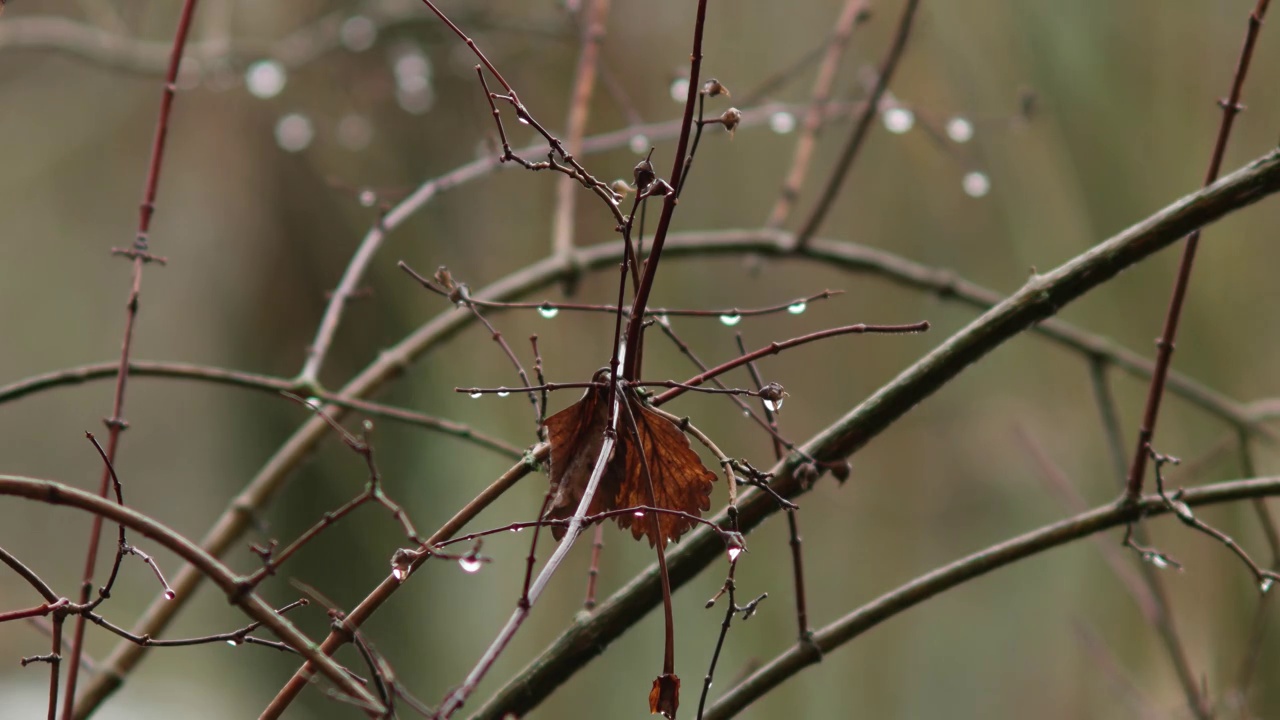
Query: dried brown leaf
x,y
679,479
664,697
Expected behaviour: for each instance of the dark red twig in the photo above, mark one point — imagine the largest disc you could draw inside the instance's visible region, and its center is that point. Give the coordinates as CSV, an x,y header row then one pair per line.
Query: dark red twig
x,y
1164,346
141,255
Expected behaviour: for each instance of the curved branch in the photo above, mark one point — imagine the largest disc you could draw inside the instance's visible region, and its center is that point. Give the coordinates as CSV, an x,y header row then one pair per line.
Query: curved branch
x,y
967,568
1036,301
249,381
53,493
1040,297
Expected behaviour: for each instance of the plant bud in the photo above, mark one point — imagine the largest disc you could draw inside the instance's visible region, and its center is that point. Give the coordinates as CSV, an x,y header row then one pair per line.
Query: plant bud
x,y
713,87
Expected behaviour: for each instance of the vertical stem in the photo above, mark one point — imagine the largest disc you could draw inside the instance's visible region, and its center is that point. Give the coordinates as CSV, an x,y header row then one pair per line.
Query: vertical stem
x,y
1161,617
631,370
141,255
584,82
55,663
1164,346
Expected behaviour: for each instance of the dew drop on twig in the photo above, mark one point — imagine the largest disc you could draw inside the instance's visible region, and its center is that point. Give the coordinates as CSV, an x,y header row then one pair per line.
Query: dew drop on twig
x,y
898,120
469,564
797,308
1266,584
639,144
548,311
680,89
475,394
294,132
503,392
782,122
265,79
233,642
368,197
773,405
976,184
169,594
959,129
730,319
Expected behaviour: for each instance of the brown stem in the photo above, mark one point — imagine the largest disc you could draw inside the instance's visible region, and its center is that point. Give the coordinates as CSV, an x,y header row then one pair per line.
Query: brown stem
x,y
861,126
141,255
631,370
850,15
584,82
52,493
1168,335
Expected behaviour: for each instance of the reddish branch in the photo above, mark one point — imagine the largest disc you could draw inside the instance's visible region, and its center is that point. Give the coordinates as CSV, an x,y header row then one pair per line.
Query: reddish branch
x,y
1164,345
141,255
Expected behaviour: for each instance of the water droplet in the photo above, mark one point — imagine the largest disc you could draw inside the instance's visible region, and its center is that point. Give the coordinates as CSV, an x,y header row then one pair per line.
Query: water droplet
x,y
898,120
680,89
1157,559
469,563
475,394
1265,585
639,513
411,66
354,132
516,529
639,144
797,308
169,594
358,33
959,129
412,70
233,642
746,413
503,392
734,552
976,184
782,122
368,198
265,79
313,402
522,120
773,405
548,312
730,319
399,573
415,102
294,132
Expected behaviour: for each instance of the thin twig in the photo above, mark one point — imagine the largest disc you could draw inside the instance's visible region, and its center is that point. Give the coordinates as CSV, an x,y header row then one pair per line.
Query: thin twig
x,y
1257,180
861,127
140,253
1164,346
853,12
52,493
852,625
584,82
252,381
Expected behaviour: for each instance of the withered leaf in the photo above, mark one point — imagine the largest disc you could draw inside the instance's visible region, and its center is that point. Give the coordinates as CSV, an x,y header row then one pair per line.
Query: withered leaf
x,y
680,480
665,696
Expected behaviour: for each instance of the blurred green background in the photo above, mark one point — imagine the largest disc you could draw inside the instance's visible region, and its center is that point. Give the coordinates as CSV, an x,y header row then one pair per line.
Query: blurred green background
x,y
260,208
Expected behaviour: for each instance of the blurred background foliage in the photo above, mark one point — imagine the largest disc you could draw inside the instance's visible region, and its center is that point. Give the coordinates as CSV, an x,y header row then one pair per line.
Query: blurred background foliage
x,y
294,115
